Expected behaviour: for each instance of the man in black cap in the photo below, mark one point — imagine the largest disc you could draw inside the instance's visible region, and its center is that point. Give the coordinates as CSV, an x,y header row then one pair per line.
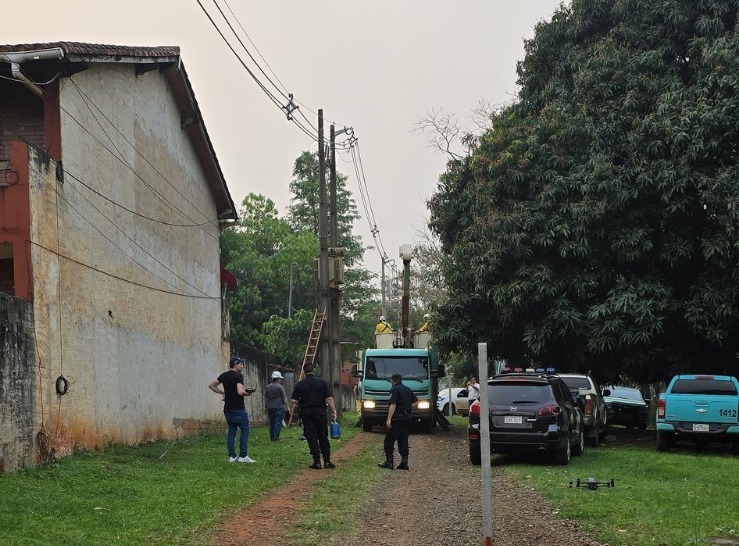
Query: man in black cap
x,y
398,422
312,394
234,410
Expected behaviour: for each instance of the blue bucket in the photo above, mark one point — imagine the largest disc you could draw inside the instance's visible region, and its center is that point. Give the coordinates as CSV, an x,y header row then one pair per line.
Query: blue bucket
x,y
335,429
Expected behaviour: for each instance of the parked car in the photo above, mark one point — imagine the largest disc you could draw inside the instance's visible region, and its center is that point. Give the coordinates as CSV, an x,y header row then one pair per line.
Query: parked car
x,y
627,407
596,413
699,408
460,404
529,412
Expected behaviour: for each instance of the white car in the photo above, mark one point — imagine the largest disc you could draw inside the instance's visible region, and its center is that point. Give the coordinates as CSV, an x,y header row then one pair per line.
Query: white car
x,y
460,404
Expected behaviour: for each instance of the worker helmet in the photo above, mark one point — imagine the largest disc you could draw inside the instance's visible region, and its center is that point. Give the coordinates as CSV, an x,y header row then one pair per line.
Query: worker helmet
x,y
426,316
382,317
276,375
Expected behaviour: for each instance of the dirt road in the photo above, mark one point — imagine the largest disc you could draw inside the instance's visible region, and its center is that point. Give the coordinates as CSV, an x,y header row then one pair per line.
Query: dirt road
x,y
436,503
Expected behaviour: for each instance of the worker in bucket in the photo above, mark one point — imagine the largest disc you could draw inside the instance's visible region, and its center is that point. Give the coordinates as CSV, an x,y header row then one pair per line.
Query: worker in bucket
x,y
383,326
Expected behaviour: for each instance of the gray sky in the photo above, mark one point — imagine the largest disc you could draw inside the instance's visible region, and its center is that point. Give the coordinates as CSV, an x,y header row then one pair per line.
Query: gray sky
x,y
378,66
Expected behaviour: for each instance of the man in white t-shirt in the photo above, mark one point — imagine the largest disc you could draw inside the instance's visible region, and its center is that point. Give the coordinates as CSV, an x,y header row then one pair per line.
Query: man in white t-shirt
x,y
473,390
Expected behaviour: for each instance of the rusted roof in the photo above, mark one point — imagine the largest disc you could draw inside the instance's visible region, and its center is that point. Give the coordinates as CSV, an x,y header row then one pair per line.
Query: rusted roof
x,y
168,60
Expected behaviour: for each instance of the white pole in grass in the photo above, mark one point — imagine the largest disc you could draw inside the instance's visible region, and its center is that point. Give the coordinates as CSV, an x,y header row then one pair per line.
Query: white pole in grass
x,y
487,493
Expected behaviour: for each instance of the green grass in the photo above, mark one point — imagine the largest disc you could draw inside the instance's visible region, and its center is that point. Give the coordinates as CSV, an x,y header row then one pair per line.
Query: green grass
x,y
675,498
161,493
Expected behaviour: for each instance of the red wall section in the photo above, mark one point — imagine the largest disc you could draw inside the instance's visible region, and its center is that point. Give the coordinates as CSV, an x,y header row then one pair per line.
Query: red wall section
x,y
15,219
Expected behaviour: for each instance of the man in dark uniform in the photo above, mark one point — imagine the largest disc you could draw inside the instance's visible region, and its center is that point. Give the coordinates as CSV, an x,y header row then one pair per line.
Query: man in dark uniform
x,y
398,422
312,394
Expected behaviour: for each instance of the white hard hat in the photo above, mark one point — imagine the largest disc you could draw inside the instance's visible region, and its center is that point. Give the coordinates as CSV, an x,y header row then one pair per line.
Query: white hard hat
x,y
276,375
427,316
382,317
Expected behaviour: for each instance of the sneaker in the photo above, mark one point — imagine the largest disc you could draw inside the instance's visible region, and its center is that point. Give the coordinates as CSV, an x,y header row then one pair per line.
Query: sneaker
x,y
246,459
232,459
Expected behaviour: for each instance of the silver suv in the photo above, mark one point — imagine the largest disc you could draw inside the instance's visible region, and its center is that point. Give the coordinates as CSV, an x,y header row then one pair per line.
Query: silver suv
x,y
596,412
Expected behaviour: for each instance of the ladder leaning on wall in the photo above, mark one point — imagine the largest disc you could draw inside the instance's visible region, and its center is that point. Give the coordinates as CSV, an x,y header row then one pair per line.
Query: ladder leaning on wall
x,y
311,349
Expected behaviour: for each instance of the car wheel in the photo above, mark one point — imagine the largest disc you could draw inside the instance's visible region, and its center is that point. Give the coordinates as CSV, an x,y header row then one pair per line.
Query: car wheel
x,y
563,455
475,455
664,441
593,440
445,409
366,425
580,447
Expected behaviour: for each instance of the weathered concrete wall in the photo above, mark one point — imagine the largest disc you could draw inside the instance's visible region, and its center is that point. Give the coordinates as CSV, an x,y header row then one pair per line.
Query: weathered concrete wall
x,y
258,368
17,384
126,267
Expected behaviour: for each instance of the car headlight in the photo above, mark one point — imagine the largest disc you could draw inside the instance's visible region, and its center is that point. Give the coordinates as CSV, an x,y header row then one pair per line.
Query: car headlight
x,y
369,404
424,404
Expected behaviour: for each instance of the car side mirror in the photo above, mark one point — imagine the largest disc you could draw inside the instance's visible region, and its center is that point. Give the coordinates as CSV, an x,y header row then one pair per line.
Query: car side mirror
x,y
647,400
606,392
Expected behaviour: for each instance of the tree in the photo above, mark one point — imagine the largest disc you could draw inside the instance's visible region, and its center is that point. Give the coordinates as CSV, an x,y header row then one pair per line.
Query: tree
x,y
260,252
595,225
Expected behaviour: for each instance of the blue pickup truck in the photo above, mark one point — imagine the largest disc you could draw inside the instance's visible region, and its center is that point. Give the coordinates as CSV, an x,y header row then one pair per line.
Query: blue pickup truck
x,y
699,408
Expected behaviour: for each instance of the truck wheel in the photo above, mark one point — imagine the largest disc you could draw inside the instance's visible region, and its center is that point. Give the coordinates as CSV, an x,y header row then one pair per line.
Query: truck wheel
x,y
593,440
475,456
366,425
580,447
664,441
735,448
563,456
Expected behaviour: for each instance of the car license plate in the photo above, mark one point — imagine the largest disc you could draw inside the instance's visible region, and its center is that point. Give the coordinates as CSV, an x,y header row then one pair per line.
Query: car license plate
x,y
513,419
699,427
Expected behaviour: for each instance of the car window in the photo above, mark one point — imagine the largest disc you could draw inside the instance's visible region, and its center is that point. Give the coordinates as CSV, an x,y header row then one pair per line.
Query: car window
x,y
577,382
507,393
625,394
704,386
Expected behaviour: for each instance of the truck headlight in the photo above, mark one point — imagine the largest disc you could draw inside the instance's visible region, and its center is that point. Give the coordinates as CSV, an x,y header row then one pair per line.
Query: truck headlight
x,y
424,404
369,404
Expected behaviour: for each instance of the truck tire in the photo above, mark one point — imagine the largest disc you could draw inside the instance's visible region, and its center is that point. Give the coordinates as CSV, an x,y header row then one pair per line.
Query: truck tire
x,y
580,447
475,456
367,425
664,441
564,455
593,440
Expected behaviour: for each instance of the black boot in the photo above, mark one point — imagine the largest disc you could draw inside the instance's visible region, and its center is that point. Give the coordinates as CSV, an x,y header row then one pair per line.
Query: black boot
x,y
316,465
403,465
387,464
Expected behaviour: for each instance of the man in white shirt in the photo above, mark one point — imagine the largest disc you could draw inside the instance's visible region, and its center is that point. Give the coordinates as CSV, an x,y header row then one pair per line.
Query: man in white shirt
x,y
473,390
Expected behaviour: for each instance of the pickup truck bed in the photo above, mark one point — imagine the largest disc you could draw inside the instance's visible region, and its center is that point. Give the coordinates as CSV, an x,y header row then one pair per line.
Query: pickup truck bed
x,y
699,408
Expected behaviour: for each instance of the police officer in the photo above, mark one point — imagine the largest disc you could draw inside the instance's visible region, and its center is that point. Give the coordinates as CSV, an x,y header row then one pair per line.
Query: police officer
x,y
398,422
313,394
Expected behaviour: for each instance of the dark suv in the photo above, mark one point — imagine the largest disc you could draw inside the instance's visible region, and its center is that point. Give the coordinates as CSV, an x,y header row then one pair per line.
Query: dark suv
x,y
529,412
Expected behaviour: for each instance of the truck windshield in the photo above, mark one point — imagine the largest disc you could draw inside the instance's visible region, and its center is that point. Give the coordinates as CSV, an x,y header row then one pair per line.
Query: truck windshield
x,y
410,367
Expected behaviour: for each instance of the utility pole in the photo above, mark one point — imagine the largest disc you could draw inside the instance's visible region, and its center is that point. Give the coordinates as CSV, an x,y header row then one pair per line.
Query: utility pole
x,y
327,367
337,267
383,310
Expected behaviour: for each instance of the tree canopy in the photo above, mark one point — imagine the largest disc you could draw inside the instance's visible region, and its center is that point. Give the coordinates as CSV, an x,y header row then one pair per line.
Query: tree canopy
x,y
595,225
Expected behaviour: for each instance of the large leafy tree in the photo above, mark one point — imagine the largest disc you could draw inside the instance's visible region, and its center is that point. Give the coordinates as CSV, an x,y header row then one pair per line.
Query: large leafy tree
x,y
264,253
596,225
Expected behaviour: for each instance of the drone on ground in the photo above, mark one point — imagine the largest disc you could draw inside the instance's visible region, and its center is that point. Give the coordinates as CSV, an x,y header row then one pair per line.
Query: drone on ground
x,y
592,483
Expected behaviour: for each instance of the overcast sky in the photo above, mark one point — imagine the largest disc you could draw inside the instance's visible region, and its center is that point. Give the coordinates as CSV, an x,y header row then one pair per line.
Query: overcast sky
x,y
377,66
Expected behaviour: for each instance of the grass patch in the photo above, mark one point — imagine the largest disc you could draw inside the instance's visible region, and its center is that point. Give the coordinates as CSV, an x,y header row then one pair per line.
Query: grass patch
x,y
340,498
676,498
161,493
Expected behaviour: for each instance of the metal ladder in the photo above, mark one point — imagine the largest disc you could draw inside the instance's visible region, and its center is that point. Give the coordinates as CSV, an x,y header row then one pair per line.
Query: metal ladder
x,y
311,350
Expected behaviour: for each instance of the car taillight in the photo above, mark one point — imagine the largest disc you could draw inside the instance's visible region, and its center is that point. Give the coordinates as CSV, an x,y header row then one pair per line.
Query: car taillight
x,y
475,408
549,411
661,408
588,406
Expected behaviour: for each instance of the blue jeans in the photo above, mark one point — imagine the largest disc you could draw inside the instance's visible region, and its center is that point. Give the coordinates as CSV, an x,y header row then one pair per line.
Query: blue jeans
x,y
237,419
276,416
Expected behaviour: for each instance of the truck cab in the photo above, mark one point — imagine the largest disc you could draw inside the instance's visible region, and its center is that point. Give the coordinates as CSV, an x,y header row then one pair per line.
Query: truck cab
x,y
420,370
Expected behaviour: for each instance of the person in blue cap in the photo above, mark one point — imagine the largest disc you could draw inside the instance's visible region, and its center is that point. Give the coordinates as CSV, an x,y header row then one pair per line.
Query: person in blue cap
x,y
230,385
